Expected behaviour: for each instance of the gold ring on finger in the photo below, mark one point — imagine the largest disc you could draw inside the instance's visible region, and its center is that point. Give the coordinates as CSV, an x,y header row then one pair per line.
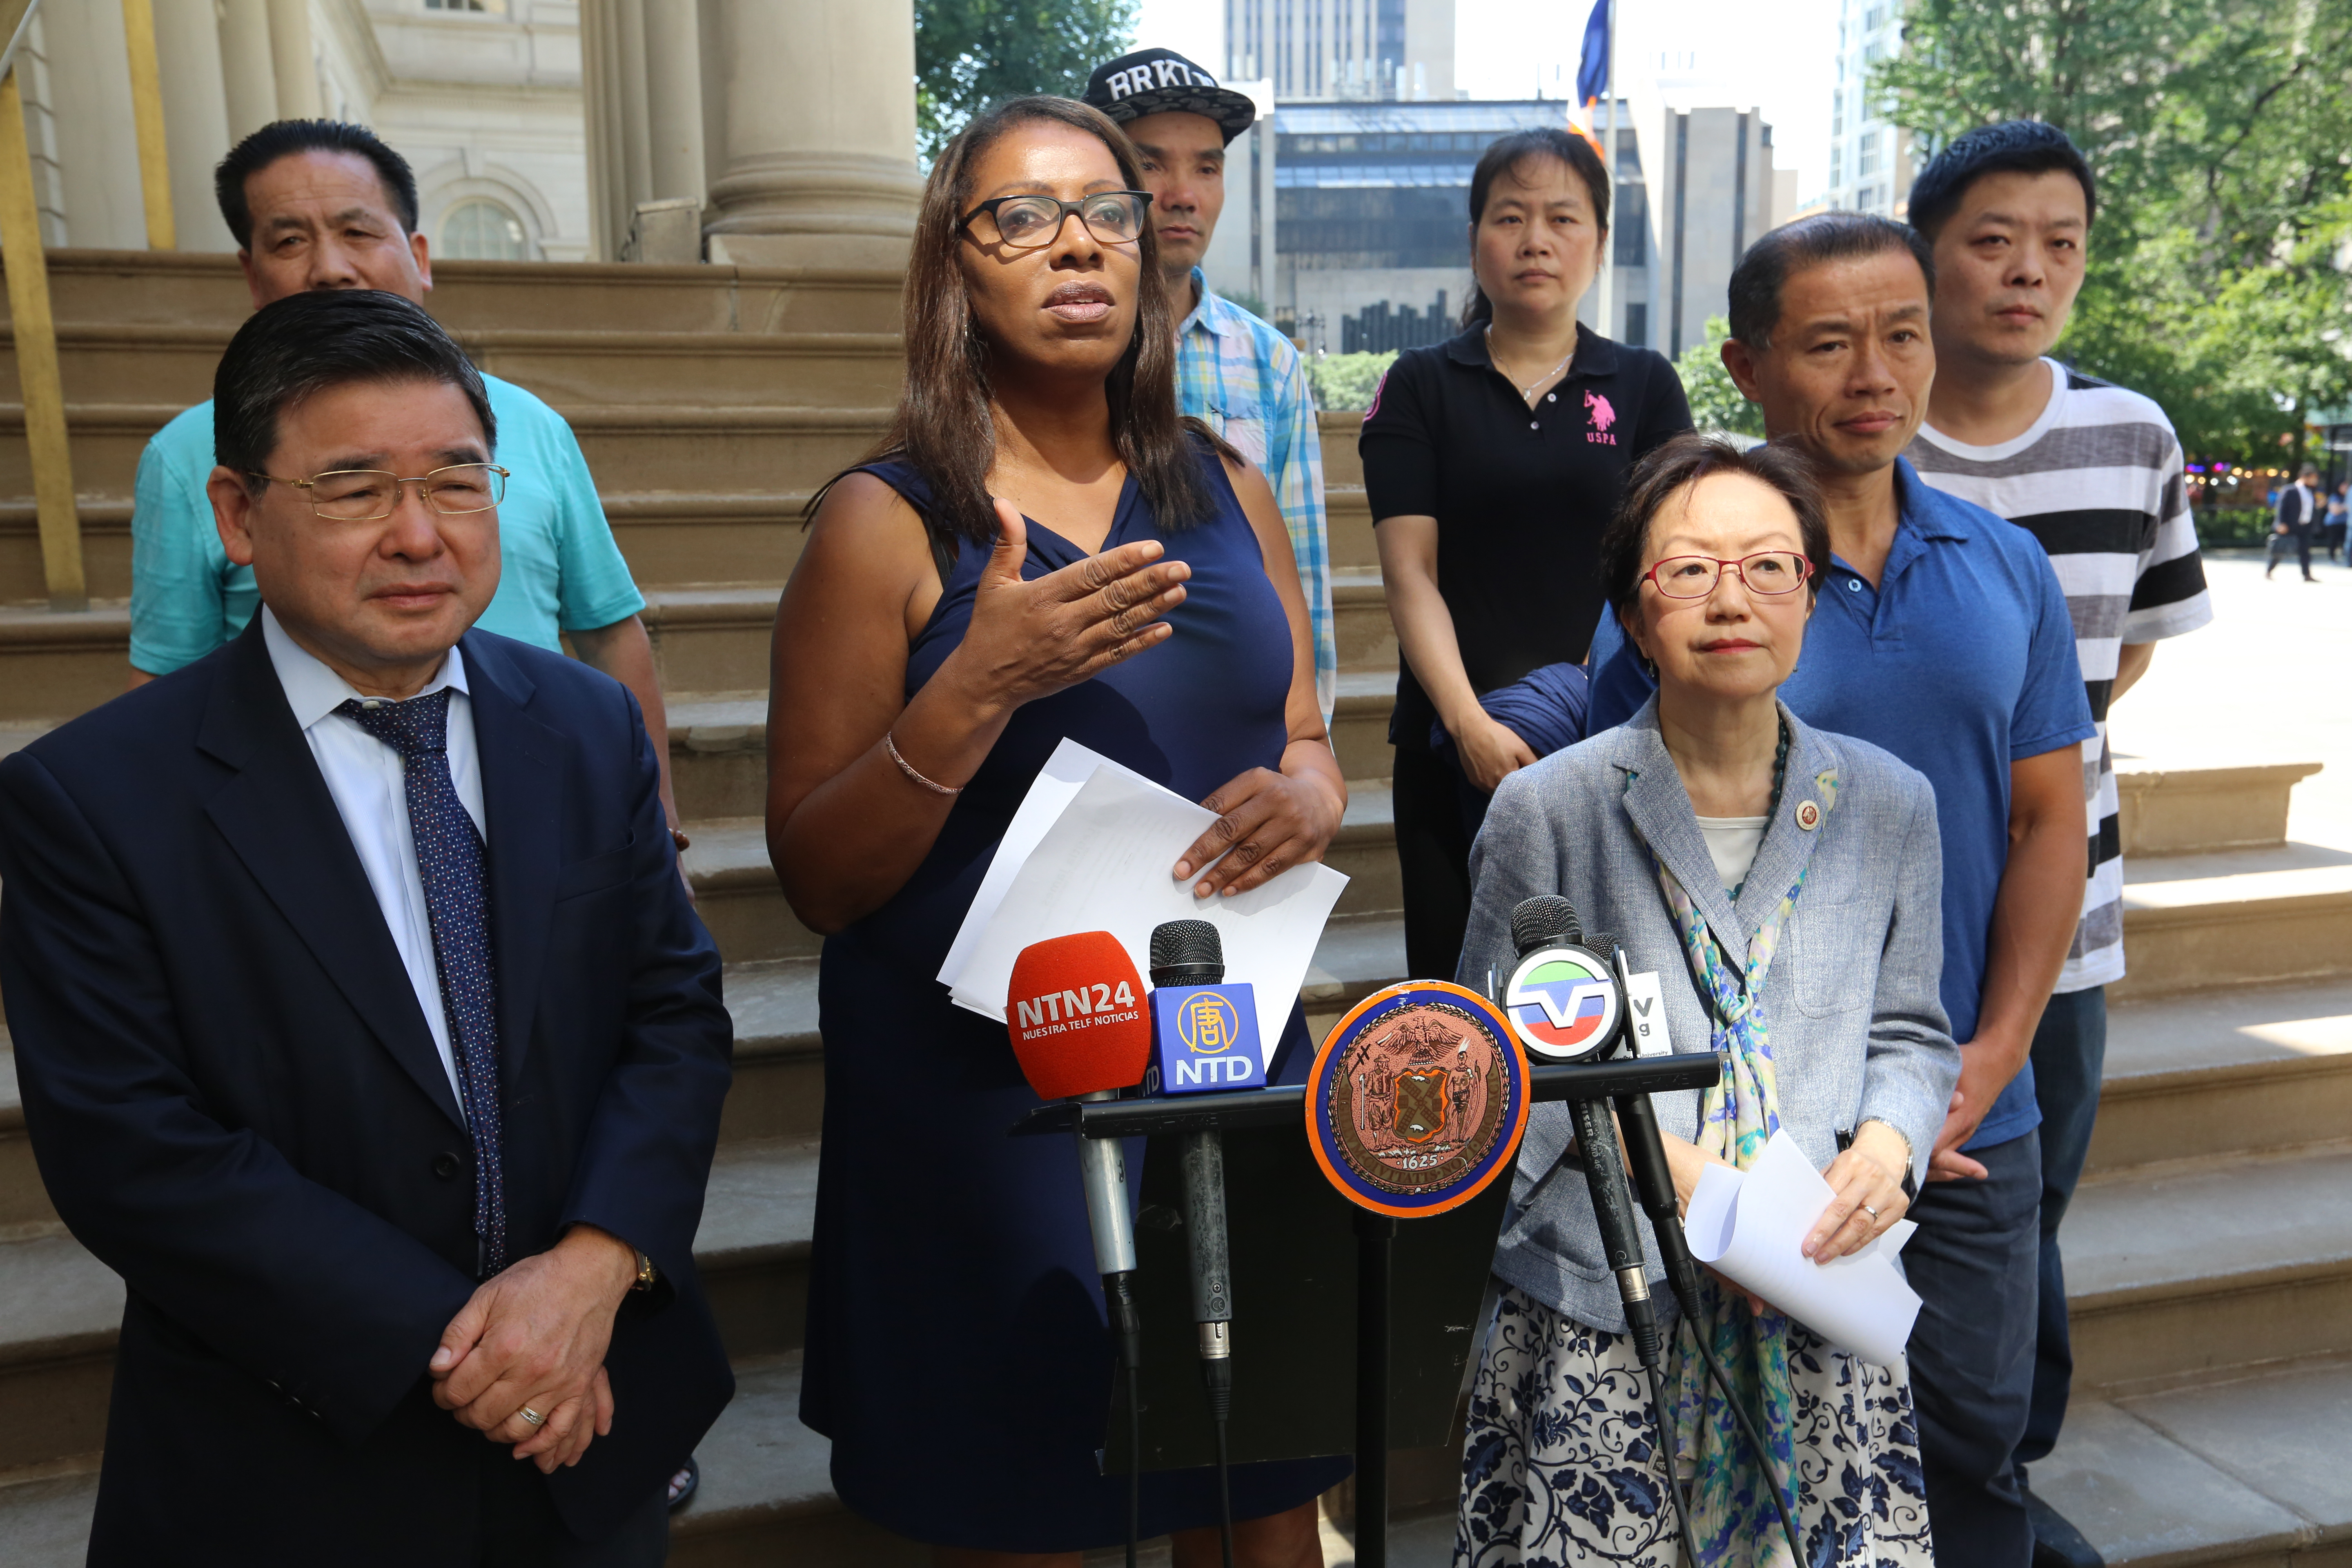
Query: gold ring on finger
x,y
533,1416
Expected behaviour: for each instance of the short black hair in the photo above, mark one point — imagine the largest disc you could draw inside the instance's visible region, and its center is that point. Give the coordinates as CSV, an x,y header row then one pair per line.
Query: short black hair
x,y
1683,460
300,346
1510,152
283,139
2012,147
1765,270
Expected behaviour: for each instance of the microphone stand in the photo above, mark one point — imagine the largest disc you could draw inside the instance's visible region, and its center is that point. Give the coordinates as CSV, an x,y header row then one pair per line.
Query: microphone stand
x,y
1102,1162
1212,1309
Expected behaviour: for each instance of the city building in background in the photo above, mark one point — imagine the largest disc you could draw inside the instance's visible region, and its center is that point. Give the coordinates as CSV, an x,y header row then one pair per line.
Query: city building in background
x,y
1870,159
1343,51
482,97
1241,260
1374,206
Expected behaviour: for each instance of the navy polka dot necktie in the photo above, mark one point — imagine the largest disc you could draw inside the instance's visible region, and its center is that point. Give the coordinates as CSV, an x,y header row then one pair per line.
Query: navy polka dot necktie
x,y
456,899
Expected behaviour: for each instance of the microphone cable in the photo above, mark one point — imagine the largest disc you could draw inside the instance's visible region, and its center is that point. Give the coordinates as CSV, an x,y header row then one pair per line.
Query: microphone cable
x,y
1654,1183
1127,1323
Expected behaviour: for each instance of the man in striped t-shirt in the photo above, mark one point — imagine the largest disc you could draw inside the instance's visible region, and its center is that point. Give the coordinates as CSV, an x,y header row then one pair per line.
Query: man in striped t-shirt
x,y
2095,473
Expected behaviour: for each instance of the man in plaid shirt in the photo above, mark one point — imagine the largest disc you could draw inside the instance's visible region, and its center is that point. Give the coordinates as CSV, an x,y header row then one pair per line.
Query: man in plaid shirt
x,y
1233,370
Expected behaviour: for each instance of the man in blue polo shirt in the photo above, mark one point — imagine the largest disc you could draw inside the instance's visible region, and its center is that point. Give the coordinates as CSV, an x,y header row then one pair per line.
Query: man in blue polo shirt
x,y
1942,634
318,203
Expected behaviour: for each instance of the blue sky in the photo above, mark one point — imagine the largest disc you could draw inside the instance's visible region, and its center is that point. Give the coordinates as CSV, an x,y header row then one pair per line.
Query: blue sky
x,y
1777,58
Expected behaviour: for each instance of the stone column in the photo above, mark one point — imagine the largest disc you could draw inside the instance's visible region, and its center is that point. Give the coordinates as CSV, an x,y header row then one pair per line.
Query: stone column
x,y
248,68
195,117
819,134
674,99
297,70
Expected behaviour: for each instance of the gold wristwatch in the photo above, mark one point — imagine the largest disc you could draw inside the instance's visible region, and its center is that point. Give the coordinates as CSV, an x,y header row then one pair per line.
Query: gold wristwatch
x,y
646,1273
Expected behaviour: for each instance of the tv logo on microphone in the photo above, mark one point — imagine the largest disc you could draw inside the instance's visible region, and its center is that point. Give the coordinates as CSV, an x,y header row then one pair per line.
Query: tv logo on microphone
x,y
1205,1038
1562,1006
1056,1011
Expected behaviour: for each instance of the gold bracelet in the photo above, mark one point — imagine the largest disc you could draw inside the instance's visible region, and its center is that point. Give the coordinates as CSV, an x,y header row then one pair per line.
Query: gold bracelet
x,y
908,768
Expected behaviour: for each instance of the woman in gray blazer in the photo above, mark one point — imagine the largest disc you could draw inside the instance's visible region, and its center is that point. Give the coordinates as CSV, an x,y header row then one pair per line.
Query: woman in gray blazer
x,y
1783,884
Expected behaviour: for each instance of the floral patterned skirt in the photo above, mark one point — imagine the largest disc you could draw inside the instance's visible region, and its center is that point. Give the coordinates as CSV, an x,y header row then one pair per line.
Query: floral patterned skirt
x,y
1562,1464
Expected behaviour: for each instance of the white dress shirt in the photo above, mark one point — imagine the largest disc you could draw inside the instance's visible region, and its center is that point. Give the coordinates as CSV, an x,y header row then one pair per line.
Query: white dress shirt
x,y
365,776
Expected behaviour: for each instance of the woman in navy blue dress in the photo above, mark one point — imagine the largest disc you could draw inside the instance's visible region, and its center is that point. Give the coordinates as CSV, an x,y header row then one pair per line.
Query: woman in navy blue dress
x,y
1042,549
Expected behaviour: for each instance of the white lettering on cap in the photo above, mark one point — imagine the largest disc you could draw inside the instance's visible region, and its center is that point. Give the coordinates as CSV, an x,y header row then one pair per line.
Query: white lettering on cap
x,y
1173,74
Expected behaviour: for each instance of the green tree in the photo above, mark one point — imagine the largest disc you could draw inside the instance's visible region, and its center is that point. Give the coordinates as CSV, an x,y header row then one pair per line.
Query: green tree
x,y
1715,403
970,54
1347,381
2219,133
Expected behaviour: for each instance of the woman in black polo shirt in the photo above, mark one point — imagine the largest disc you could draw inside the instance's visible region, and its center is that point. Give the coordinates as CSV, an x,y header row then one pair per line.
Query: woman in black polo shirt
x,y
1493,462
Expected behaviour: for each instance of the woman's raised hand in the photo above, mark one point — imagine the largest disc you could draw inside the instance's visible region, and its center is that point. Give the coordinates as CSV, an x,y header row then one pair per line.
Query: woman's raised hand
x,y
1030,639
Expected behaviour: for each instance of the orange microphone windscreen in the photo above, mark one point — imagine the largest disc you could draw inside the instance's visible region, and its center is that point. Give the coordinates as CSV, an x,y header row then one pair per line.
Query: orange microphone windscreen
x,y
1075,1010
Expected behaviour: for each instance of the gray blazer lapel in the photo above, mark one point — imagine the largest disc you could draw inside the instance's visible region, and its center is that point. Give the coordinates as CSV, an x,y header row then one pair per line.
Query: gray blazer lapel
x,y
1787,847
1661,812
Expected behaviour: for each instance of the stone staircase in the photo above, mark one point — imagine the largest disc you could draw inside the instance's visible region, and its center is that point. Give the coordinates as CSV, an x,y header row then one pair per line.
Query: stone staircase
x,y
711,401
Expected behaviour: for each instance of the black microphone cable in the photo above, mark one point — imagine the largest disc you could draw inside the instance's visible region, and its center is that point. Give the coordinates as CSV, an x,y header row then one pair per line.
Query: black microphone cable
x,y
1646,1151
1537,923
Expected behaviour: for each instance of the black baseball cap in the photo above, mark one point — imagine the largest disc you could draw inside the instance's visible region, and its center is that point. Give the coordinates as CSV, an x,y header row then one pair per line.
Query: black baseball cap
x,y
1162,81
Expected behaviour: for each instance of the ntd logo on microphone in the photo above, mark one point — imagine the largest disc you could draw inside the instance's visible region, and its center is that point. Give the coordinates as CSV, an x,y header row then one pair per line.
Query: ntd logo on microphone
x,y
1205,1038
1561,1005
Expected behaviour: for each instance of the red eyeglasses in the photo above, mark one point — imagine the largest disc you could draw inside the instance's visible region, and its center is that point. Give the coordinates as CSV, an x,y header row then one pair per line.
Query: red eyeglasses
x,y
1769,572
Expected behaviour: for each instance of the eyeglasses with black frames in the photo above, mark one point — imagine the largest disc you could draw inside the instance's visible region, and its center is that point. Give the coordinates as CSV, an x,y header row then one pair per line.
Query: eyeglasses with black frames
x,y
1031,223
366,495
1770,573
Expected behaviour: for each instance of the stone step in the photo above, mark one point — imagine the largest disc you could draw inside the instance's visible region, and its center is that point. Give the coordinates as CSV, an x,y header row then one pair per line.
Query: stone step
x,y
676,537
186,288
2248,1473
711,638
2175,1275
1348,525
647,446
2189,810
60,1307
2235,917
128,362
1360,625
2224,1072
53,667
1343,468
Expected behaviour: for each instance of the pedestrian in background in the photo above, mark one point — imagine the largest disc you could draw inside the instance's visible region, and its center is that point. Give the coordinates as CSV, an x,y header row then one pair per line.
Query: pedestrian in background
x,y
2096,473
2338,500
1492,463
2292,522
1234,372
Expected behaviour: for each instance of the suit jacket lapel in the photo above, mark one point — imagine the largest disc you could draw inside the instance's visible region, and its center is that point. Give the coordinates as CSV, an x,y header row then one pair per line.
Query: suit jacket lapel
x,y
1661,809
522,775
279,817
1787,847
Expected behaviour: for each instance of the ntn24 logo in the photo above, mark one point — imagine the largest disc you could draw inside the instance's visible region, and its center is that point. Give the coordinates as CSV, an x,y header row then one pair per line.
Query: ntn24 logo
x,y
1055,1006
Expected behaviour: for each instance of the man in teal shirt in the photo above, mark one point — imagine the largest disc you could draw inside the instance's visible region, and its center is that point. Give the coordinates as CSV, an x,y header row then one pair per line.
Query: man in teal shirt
x,y
317,204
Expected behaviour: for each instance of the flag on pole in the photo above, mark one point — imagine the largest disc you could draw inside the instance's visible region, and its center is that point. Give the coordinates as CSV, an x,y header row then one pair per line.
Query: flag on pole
x,y
1593,73
1593,70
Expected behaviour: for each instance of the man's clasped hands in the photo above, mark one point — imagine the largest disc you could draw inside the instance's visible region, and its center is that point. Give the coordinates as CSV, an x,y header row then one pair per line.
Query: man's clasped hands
x,y
532,1337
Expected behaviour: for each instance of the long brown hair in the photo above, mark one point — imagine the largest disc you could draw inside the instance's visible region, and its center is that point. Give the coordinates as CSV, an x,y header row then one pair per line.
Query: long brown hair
x,y
944,425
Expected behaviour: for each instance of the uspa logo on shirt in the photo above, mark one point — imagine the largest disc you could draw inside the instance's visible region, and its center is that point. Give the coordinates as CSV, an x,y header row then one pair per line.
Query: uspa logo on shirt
x,y
1603,416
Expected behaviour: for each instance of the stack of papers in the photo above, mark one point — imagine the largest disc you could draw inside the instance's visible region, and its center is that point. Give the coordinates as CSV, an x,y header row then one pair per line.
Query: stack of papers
x,y
1093,849
1749,1226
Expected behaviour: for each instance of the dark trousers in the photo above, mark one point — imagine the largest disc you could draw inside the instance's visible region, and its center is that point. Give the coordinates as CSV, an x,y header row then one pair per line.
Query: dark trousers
x,y
520,1530
2298,537
2070,1051
1433,855
1974,1265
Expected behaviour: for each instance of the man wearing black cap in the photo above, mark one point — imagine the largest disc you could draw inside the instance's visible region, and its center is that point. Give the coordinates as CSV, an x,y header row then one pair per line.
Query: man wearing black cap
x,y
1233,370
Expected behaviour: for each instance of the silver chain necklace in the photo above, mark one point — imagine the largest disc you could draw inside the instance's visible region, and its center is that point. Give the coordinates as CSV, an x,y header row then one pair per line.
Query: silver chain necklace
x,y
1528,391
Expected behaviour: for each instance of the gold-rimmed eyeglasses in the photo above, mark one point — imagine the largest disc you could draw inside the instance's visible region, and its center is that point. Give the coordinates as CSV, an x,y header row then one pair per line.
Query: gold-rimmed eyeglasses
x,y
1770,571
1031,223
365,495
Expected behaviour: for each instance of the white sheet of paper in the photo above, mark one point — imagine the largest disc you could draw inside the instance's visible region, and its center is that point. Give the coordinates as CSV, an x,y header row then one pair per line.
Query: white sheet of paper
x,y
1056,785
1749,1226
1102,863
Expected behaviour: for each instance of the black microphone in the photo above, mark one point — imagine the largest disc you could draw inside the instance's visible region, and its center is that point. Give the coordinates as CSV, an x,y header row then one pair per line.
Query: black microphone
x,y
1546,929
1654,1183
1191,952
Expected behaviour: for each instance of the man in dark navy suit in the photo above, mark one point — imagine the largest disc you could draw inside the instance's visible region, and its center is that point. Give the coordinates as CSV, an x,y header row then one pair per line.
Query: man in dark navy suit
x,y
364,1024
